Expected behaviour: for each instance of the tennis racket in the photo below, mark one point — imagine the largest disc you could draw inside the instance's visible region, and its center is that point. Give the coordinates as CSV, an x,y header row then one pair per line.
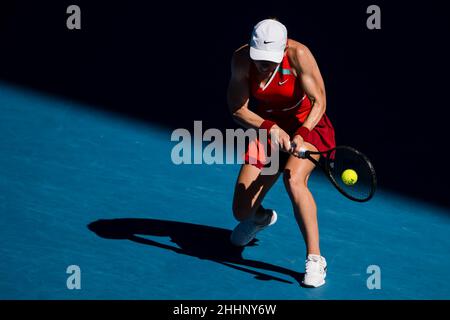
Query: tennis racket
x,y
349,170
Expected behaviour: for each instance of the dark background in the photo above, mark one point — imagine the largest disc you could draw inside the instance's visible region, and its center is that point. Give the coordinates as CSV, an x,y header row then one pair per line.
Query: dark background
x,y
168,64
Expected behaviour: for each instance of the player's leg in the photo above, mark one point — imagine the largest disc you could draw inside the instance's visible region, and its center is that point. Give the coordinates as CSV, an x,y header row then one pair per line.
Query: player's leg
x,y
296,175
250,189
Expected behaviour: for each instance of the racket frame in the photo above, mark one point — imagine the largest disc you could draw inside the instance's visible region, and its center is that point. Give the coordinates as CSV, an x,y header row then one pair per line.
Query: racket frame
x,y
306,154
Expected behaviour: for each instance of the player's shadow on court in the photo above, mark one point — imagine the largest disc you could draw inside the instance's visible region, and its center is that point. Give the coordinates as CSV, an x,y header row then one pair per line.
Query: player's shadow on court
x,y
195,240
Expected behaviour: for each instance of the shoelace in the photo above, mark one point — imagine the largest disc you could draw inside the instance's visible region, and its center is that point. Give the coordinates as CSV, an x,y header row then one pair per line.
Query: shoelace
x,y
314,266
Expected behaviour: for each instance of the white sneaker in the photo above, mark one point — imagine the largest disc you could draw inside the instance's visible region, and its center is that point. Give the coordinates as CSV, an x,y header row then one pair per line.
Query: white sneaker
x,y
246,230
316,267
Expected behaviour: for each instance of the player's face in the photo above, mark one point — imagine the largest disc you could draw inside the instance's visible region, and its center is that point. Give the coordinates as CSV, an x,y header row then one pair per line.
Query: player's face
x,y
265,66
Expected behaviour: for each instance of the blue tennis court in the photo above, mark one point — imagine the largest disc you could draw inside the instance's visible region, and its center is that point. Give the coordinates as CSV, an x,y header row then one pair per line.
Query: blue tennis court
x,y
86,188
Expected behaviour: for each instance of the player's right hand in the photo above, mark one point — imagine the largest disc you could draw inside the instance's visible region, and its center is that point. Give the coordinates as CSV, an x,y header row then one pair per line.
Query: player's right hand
x,y
281,138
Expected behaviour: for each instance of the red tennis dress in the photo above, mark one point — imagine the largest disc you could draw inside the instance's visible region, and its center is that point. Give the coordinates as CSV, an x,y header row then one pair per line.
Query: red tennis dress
x,y
283,101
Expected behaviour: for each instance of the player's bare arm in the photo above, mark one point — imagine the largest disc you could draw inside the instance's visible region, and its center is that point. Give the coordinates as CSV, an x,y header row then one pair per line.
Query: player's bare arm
x,y
312,83
238,91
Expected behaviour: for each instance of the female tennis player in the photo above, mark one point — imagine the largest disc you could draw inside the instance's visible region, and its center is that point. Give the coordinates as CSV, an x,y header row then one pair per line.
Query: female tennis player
x,y
283,78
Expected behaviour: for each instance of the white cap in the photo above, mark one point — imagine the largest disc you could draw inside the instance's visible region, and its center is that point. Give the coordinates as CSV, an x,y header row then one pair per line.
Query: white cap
x,y
268,41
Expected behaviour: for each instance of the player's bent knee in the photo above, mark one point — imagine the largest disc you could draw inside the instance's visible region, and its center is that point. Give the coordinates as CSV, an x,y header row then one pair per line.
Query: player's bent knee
x,y
294,181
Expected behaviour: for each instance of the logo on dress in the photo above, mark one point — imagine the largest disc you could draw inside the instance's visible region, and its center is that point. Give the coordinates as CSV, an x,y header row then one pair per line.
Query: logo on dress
x,y
282,82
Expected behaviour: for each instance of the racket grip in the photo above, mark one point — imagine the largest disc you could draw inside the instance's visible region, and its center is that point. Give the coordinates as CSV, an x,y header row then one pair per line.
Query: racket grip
x,y
301,154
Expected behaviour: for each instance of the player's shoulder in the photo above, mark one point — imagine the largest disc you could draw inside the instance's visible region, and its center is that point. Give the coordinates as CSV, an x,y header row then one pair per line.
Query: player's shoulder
x,y
241,56
297,49
298,53
241,60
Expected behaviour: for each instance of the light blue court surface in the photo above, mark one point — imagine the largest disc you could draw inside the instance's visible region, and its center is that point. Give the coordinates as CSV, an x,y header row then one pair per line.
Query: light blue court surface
x,y
165,228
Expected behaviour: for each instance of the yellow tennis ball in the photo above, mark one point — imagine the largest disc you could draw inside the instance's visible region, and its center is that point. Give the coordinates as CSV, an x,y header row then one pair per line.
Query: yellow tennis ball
x,y
349,177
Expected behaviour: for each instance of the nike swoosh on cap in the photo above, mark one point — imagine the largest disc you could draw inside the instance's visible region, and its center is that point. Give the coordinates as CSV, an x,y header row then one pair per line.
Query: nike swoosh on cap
x,y
266,42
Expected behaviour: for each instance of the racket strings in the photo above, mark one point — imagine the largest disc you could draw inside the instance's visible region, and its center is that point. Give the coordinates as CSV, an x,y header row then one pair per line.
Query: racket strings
x,y
340,160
